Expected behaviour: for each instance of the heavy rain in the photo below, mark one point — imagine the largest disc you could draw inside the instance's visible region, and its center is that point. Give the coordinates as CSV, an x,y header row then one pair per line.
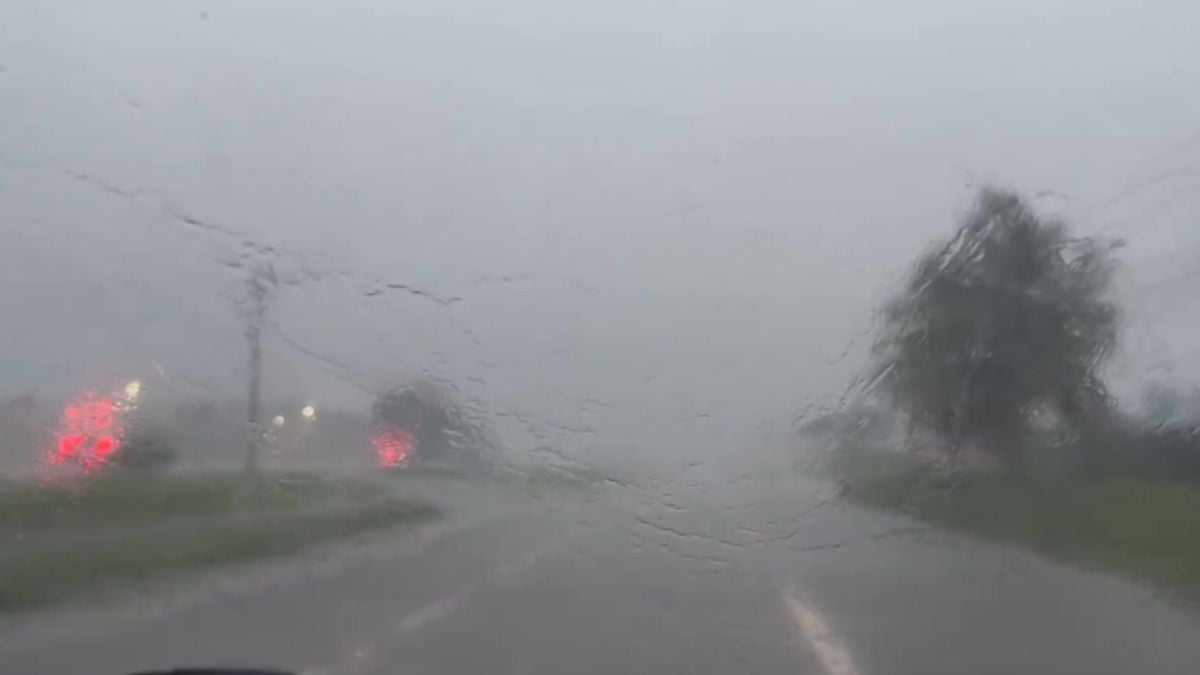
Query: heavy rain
x,y
541,337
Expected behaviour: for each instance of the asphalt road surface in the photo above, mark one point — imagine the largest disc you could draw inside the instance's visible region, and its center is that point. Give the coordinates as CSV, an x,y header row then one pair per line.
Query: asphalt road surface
x,y
744,575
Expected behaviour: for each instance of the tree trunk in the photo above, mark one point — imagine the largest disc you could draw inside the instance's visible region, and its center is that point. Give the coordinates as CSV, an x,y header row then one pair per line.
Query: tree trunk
x,y
1006,438
1012,450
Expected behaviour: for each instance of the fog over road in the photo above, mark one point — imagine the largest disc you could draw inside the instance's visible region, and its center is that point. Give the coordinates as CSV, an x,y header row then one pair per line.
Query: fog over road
x,y
756,574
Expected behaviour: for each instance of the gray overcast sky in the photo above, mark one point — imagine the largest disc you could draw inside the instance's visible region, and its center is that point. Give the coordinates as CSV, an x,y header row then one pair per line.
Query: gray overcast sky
x,y
676,209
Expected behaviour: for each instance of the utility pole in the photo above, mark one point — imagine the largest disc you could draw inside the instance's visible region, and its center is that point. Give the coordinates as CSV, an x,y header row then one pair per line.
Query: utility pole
x,y
259,287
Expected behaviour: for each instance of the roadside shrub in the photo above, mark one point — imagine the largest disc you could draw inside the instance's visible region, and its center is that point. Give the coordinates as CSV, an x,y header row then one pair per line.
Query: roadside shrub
x,y
1144,451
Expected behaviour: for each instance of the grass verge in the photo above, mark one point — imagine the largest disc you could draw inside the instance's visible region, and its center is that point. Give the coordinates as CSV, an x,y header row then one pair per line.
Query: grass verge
x,y
135,500
117,533
1138,528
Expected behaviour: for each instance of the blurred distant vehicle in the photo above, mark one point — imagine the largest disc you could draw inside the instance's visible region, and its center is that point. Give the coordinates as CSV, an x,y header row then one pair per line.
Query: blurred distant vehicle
x,y
394,446
419,423
90,430
99,431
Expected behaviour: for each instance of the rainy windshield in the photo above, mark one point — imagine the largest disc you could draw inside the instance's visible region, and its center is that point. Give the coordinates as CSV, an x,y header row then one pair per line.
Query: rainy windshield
x,y
544,337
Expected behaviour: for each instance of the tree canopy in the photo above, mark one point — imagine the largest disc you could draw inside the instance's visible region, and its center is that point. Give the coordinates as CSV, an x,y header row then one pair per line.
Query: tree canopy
x,y
1009,317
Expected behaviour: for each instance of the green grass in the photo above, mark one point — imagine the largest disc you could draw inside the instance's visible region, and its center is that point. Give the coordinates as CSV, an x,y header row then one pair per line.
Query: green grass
x,y
132,500
67,545
1143,529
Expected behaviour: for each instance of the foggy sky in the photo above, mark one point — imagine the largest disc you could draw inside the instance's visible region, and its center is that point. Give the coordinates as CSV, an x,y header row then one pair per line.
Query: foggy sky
x,y
682,212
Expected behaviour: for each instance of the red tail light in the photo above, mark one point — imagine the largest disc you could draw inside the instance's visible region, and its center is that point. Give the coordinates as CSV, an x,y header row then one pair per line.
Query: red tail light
x,y
89,432
393,447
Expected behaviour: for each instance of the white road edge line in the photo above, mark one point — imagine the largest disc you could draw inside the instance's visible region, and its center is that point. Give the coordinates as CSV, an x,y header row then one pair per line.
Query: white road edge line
x,y
835,658
435,611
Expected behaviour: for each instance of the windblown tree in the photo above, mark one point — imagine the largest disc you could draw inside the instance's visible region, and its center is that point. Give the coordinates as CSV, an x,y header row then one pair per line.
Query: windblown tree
x,y
1008,319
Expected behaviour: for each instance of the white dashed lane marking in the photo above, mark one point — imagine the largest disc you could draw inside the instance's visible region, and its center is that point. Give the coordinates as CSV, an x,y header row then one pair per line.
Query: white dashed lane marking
x,y
835,658
363,655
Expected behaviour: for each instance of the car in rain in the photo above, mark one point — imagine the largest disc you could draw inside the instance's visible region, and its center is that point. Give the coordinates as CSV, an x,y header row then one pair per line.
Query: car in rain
x,y
93,427
420,424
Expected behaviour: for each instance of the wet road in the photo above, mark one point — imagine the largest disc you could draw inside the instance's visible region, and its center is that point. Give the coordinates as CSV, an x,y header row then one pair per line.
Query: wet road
x,y
755,575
